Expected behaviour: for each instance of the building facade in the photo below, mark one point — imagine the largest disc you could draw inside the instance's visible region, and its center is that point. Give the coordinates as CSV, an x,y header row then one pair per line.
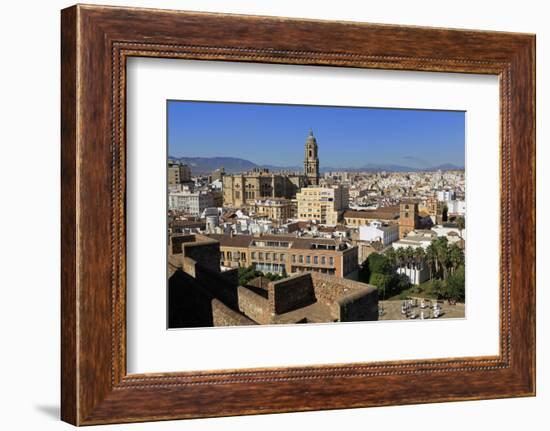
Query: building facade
x,y
445,195
276,209
289,255
243,189
323,205
178,173
408,218
377,231
456,207
434,209
387,215
311,160
192,203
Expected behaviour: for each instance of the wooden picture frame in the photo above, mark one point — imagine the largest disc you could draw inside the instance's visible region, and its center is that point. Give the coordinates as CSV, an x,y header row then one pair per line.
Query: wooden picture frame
x,y
95,43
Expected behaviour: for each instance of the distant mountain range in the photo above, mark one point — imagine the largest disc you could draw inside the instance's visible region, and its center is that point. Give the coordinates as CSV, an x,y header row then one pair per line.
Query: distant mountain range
x,y
205,165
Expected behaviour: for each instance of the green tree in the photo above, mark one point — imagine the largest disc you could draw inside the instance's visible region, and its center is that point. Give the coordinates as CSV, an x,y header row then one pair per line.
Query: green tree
x,y
431,259
456,285
391,255
437,288
461,224
456,257
399,283
409,256
364,272
419,256
247,274
382,283
445,213
441,256
378,264
401,256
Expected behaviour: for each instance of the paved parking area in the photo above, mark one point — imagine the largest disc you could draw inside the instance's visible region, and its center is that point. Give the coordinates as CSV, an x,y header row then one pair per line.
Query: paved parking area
x,y
391,310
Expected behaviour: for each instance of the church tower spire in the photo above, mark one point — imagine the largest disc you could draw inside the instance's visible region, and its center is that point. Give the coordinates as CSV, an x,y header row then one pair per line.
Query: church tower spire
x,y
311,160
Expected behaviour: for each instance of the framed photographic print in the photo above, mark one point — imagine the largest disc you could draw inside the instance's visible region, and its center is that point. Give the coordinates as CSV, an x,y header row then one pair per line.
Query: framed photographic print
x,y
322,214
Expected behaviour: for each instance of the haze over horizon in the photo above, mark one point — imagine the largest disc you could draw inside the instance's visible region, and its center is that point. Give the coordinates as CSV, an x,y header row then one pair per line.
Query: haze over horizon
x,y
348,137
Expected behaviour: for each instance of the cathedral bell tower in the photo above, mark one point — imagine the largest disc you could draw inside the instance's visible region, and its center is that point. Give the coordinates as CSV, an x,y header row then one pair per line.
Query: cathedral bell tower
x,y
311,160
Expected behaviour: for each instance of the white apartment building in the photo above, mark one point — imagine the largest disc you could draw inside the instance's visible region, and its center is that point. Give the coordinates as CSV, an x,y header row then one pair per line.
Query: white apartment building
x,y
377,231
417,273
456,207
324,205
193,203
416,238
446,195
453,234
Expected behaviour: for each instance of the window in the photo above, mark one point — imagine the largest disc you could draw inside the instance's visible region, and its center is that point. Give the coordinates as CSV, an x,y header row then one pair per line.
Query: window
x,y
253,255
315,260
293,258
331,261
282,257
243,256
323,260
223,255
301,259
261,255
308,259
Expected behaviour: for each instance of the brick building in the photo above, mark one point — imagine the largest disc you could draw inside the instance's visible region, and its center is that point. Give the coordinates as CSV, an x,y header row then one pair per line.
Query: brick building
x,y
288,254
409,219
388,215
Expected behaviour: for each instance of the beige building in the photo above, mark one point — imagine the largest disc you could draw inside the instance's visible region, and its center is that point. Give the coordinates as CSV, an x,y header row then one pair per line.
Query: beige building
x,y
288,254
277,209
245,188
311,160
178,173
324,205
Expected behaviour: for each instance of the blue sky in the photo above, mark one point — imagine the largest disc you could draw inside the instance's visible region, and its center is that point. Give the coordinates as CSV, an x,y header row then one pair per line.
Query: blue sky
x,y
347,137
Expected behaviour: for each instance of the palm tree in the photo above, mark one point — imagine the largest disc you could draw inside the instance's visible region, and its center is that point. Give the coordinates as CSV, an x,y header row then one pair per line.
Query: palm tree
x,y
456,257
441,255
431,258
409,253
391,255
419,257
461,224
401,256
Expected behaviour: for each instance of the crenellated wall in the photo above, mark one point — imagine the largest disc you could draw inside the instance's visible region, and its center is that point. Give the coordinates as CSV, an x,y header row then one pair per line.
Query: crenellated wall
x,y
254,305
290,293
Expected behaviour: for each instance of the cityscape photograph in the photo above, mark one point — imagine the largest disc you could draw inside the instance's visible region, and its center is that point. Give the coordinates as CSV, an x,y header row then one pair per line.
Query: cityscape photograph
x,y
284,214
